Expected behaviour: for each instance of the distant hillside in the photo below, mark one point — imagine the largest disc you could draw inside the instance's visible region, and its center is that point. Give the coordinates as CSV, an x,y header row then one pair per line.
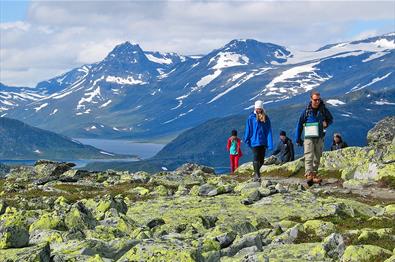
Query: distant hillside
x,y
21,141
354,115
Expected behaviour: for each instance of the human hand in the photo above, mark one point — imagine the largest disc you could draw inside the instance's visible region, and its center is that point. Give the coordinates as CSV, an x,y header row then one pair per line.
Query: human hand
x,y
324,124
299,141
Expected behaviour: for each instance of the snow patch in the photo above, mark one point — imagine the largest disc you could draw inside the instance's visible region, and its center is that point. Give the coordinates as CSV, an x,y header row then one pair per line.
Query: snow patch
x,y
228,59
106,153
54,112
40,107
335,102
124,81
159,60
383,102
375,80
105,104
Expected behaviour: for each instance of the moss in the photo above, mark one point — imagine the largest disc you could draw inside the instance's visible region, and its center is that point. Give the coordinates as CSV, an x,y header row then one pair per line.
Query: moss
x,y
387,181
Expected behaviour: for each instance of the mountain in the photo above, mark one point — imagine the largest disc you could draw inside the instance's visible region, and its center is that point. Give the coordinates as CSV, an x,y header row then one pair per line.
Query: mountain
x,y
21,141
13,97
139,94
354,114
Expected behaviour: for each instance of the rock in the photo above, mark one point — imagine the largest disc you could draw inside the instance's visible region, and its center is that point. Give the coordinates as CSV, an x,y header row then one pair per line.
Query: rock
x,y
46,168
39,253
248,240
319,228
209,221
334,246
147,251
289,236
246,186
155,222
382,133
251,196
189,168
365,253
207,190
388,210
13,235
356,184
140,191
3,206
140,177
226,239
79,217
161,190
242,228
4,170
73,175
48,221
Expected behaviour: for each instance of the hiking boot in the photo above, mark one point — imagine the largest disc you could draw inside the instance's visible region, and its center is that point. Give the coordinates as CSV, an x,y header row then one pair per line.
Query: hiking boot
x,y
316,179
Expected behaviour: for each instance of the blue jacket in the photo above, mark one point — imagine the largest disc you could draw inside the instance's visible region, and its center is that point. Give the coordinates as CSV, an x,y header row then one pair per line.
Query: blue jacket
x,y
258,133
309,115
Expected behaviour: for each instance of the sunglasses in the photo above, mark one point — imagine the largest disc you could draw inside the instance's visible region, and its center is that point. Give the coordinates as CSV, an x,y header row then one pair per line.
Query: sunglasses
x,y
316,100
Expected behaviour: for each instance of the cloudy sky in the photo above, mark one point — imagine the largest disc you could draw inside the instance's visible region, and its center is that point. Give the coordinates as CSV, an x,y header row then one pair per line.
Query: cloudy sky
x,y
41,39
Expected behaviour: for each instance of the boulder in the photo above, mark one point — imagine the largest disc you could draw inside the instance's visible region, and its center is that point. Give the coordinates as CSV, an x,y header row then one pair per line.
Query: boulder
x,y
47,168
13,235
365,253
383,133
39,253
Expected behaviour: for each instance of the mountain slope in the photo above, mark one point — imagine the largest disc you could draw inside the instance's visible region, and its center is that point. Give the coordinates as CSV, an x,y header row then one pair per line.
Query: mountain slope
x,y
141,94
21,141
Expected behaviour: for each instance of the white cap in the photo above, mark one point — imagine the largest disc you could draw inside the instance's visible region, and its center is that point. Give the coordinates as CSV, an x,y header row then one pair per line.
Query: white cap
x,y
258,104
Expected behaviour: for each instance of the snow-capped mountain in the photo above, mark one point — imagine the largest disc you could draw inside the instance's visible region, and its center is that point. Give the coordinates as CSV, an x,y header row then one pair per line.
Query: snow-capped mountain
x,y
13,97
143,93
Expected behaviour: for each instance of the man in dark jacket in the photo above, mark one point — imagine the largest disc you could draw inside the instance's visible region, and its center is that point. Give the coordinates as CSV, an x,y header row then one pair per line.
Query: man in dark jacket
x,y
284,151
313,121
338,142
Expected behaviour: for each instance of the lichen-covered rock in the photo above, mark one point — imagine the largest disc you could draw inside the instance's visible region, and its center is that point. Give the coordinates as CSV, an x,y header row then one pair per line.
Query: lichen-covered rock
x,y
388,210
140,191
46,168
3,206
79,217
319,228
48,221
365,253
13,236
39,253
158,252
382,133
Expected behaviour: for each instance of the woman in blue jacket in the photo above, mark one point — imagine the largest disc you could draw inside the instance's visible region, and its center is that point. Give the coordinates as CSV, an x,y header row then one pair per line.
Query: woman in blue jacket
x,y
258,136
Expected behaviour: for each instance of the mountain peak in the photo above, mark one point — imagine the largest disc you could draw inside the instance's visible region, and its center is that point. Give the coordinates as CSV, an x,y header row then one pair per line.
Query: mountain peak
x,y
125,48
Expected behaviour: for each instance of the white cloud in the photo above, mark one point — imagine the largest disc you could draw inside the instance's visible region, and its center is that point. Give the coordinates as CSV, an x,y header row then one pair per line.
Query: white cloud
x,y
60,35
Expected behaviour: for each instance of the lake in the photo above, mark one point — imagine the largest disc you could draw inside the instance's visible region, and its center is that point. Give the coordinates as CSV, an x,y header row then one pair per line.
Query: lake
x,y
142,150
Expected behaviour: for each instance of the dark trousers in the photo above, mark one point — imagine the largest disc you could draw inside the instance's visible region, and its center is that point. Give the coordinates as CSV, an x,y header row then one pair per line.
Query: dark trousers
x,y
259,158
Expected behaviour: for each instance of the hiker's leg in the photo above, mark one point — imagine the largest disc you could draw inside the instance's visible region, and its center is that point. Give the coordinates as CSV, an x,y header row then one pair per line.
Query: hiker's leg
x,y
308,155
236,162
232,167
318,147
256,164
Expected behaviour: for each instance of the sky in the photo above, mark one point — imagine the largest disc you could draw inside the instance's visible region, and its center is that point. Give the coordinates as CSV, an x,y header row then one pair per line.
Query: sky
x,y
42,39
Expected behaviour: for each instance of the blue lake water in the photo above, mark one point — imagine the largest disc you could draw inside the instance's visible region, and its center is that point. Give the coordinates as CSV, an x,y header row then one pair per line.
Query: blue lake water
x,y
142,150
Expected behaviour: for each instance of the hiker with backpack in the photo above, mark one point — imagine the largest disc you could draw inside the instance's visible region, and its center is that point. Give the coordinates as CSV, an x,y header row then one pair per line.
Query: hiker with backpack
x,y
233,146
258,136
313,121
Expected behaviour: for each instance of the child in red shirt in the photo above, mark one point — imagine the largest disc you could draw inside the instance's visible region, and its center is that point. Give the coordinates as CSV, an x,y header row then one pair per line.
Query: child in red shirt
x,y
234,149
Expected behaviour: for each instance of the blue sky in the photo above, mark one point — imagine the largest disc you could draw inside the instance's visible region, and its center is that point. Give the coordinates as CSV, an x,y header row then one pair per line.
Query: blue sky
x,y
11,11
42,39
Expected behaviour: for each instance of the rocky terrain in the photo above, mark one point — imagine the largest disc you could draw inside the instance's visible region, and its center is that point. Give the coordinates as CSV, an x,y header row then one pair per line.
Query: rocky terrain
x,y
51,212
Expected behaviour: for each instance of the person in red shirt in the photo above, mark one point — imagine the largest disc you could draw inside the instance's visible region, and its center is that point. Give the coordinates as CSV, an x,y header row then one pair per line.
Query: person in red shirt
x,y
234,149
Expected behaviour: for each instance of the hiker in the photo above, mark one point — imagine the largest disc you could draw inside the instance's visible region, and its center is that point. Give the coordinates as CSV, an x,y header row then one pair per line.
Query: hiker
x,y
314,119
338,142
284,151
234,149
258,136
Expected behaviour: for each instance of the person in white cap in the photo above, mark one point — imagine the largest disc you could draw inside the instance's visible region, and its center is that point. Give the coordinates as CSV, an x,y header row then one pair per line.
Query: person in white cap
x,y
258,136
